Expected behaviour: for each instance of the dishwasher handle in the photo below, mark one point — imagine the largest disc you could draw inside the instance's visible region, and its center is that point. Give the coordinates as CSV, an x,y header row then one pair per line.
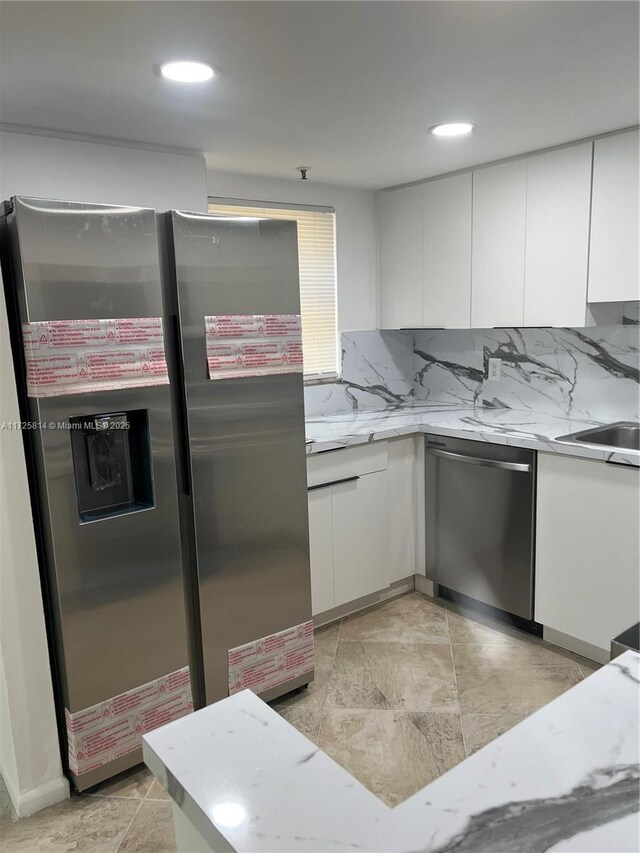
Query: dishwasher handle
x,y
477,460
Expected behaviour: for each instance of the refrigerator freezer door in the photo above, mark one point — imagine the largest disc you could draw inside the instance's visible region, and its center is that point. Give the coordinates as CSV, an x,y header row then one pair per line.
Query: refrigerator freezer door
x,y
114,578
247,442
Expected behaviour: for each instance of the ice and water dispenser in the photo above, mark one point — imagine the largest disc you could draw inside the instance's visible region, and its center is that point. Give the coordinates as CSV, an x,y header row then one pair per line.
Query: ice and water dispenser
x,y
112,464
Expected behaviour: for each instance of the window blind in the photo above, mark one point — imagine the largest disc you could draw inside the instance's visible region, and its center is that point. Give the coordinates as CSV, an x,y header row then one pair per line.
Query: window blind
x,y
317,264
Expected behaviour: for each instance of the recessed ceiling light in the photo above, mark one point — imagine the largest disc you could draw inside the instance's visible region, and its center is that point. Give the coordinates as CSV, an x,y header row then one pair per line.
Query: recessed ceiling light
x,y
453,128
187,71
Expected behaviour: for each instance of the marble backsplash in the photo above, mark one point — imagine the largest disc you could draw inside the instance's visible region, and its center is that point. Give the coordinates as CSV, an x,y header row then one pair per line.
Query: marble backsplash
x,y
590,373
587,373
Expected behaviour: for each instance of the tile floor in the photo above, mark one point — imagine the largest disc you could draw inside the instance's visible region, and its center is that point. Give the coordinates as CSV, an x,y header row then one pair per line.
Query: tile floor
x,y
406,690
402,693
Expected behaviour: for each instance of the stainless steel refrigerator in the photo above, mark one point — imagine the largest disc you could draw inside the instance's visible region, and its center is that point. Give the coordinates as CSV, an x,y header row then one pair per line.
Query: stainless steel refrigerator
x,y
168,480
232,291
83,289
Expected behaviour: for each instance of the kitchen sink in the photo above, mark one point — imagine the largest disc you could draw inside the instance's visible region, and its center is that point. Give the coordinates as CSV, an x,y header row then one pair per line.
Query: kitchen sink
x,y
624,435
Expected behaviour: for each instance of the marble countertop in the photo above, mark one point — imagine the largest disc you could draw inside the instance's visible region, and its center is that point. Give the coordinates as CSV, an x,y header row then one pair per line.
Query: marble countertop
x,y
567,778
519,428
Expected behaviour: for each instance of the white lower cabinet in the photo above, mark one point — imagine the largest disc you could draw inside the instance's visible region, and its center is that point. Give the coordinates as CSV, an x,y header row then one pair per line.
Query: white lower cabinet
x,y
587,548
360,537
406,524
362,520
348,540
321,550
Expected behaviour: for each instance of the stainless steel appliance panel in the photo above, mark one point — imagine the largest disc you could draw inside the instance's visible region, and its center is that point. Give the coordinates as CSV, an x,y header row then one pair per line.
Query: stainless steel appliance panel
x,y
628,640
480,521
247,441
114,584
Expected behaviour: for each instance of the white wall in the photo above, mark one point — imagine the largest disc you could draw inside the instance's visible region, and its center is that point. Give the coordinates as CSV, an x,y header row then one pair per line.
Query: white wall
x,y
29,747
109,174
356,252
78,171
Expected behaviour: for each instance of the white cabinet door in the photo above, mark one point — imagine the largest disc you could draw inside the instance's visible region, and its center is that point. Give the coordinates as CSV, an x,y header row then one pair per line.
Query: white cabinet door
x,y
587,553
447,252
497,267
401,258
401,500
615,223
360,537
321,550
557,237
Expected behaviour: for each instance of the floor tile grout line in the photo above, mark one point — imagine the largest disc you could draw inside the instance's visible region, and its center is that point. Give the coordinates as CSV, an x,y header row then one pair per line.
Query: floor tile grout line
x,y
581,672
493,714
117,797
455,681
438,711
146,796
128,829
149,799
402,642
333,660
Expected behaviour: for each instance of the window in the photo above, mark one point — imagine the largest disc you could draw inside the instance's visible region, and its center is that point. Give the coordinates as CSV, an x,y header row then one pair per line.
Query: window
x,y
317,263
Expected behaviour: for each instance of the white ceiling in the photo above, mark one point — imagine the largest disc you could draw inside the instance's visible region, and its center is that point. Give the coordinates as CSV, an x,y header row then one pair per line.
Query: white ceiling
x,y
348,88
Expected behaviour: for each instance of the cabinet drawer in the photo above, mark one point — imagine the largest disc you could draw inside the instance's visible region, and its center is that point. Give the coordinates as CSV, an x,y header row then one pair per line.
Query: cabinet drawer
x,y
348,462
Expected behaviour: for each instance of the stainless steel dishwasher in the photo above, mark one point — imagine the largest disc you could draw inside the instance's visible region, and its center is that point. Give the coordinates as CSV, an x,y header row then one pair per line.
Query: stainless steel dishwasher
x,y
480,520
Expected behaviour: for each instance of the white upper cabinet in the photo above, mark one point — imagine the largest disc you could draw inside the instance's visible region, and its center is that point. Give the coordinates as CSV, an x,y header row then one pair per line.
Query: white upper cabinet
x,y
523,243
557,237
497,277
615,223
401,258
447,252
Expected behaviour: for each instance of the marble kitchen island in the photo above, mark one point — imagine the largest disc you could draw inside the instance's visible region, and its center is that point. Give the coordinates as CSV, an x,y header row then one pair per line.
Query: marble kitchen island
x,y
567,778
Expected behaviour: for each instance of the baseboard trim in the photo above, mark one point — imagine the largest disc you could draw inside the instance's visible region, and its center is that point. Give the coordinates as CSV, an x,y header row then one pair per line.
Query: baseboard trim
x,y
424,585
579,647
26,803
392,591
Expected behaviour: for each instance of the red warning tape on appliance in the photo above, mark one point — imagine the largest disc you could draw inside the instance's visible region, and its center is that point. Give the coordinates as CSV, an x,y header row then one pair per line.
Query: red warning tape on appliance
x,y
272,660
80,356
114,728
243,345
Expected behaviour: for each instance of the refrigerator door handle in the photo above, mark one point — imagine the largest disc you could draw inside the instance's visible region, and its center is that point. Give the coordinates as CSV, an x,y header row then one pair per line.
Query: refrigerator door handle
x,y
182,425
332,483
477,460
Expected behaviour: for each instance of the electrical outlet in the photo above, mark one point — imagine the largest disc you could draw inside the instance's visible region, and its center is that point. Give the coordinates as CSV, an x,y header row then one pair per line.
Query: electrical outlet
x,y
493,374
